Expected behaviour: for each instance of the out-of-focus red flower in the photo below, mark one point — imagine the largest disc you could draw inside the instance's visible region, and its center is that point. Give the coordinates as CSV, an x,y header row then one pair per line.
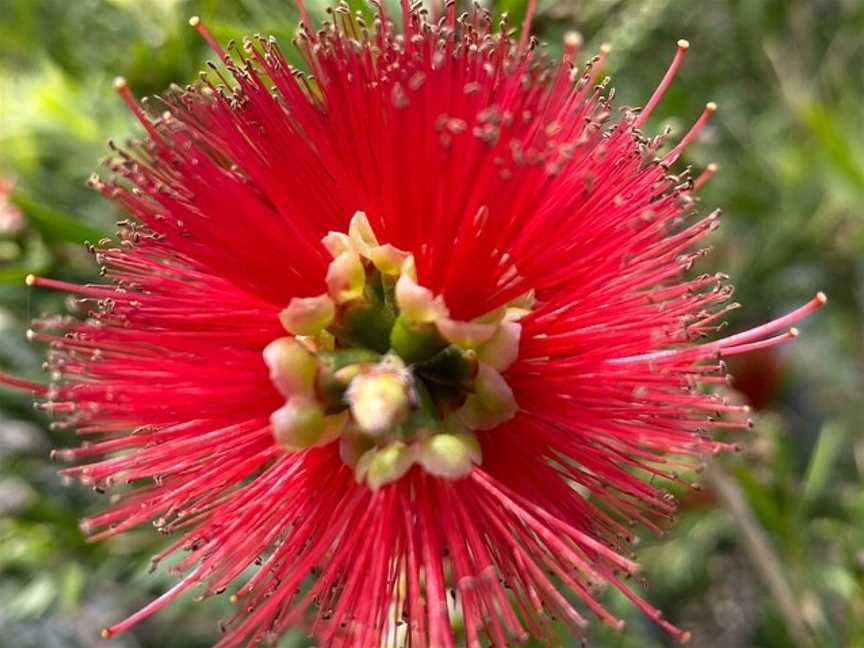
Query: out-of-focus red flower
x,y
758,376
408,331
11,218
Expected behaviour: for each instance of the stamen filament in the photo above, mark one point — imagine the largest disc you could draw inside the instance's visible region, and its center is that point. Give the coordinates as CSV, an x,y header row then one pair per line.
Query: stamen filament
x,y
198,25
27,385
705,176
736,340
664,83
526,24
761,344
674,154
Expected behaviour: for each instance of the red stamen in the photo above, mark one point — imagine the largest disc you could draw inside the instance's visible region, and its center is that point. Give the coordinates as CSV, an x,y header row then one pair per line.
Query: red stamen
x,y
526,24
122,88
710,109
198,24
572,44
664,83
791,334
19,383
705,176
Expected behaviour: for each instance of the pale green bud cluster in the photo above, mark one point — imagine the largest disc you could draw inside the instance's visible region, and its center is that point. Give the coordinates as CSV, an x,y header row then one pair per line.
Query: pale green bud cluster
x,y
378,363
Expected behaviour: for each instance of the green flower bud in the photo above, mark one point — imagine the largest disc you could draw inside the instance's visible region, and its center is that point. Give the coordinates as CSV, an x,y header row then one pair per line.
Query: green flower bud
x,y
381,466
308,315
353,446
361,234
466,335
378,401
292,367
299,424
492,402
502,349
337,243
346,277
388,259
415,342
417,303
449,455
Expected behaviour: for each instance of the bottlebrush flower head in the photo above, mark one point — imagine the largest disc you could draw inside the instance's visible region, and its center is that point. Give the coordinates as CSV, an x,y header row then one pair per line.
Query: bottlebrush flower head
x,y
410,330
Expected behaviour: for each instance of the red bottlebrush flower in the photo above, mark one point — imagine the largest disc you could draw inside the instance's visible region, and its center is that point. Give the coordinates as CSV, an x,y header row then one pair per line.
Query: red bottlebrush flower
x,y
407,330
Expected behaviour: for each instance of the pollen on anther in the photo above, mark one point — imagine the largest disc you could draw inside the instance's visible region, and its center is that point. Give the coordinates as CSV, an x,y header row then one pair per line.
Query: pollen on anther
x,y
194,21
30,280
573,40
106,633
683,43
821,297
711,106
794,332
120,83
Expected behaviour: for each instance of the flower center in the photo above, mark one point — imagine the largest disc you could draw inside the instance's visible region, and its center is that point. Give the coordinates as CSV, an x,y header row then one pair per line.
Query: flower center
x,y
377,363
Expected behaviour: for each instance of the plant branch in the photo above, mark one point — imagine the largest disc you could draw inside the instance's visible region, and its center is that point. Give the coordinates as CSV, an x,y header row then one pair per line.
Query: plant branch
x,y
761,553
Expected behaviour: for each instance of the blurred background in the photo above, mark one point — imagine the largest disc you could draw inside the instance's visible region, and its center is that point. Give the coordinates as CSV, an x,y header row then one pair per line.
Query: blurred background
x,y
770,553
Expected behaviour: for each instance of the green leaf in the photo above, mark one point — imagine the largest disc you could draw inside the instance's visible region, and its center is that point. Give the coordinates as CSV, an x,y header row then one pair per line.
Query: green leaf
x,y
55,225
835,143
829,446
36,258
35,598
71,585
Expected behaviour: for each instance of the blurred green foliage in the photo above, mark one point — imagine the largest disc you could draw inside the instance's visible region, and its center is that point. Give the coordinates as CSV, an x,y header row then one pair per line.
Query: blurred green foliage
x,y
789,138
